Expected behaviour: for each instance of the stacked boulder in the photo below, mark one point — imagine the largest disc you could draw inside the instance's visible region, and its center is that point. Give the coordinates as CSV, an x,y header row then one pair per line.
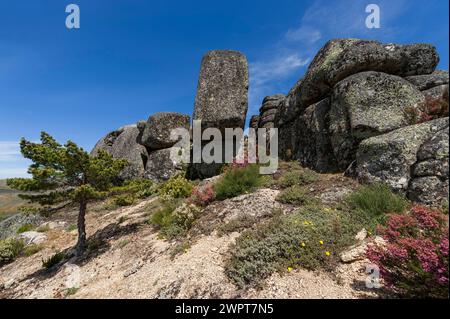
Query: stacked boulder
x,y
359,109
122,144
268,110
158,135
221,101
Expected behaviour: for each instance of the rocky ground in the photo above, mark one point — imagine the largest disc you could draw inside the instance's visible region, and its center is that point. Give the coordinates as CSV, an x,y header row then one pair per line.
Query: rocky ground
x,y
127,259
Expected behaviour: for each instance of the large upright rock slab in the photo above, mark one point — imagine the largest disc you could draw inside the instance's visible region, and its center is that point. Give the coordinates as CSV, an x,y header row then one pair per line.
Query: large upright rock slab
x,y
369,104
390,158
122,144
156,132
222,99
340,58
222,91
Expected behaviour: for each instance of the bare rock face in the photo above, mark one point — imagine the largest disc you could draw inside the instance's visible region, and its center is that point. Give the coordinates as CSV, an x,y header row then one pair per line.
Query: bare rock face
x,y
429,183
428,81
156,131
288,109
340,58
160,166
122,144
400,157
369,104
254,120
314,138
222,92
269,109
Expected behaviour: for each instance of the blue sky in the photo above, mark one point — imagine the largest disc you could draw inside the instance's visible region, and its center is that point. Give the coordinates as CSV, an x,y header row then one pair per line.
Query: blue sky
x,y
132,58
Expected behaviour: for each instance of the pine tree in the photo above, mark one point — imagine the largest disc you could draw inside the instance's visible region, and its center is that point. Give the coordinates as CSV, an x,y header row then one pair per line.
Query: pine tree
x,y
62,173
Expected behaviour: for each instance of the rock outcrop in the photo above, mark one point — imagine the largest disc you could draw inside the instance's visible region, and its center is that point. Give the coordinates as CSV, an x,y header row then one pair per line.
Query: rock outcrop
x,y
222,99
369,104
268,110
123,144
156,133
222,91
402,158
356,109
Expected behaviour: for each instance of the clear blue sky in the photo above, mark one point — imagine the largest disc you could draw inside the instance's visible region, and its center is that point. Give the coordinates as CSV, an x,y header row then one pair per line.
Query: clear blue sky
x,y
131,58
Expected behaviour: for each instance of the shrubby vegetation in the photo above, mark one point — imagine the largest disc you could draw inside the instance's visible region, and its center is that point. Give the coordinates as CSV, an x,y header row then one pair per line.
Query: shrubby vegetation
x,y
237,180
10,249
53,260
414,263
376,200
295,195
311,238
173,219
176,187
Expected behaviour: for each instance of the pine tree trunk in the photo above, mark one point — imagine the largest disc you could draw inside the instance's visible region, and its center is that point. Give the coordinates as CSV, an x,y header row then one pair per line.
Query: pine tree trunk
x,y
81,245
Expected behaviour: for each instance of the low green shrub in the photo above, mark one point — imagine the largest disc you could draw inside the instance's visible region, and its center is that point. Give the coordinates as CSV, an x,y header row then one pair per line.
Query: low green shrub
x,y
238,224
32,249
176,187
139,188
298,177
124,200
9,250
25,228
174,220
295,195
376,200
53,260
237,181
311,238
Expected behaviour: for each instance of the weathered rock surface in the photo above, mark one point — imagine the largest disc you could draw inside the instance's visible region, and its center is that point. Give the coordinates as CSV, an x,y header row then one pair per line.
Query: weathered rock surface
x,y
369,104
437,93
288,108
340,58
254,120
9,226
222,99
32,237
122,144
429,183
156,133
222,92
390,157
160,166
314,138
428,81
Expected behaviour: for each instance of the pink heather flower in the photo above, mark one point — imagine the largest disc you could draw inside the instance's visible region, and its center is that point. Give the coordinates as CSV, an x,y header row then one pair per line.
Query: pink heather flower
x,y
443,246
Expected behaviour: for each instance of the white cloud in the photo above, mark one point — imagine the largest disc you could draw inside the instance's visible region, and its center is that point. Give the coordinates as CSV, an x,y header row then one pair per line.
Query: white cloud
x,y
304,33
12,164
9,151
279,67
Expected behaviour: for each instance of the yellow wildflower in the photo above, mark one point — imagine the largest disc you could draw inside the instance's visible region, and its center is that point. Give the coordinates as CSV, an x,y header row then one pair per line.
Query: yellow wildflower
x,y
327,253
321,242
290,269
303,244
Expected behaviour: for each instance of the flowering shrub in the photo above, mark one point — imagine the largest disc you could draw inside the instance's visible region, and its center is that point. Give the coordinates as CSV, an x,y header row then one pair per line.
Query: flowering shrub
x,y
202,195
176,187
414,262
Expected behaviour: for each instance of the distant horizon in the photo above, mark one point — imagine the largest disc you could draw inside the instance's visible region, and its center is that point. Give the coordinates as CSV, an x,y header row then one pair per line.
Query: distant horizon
x,y
132,59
